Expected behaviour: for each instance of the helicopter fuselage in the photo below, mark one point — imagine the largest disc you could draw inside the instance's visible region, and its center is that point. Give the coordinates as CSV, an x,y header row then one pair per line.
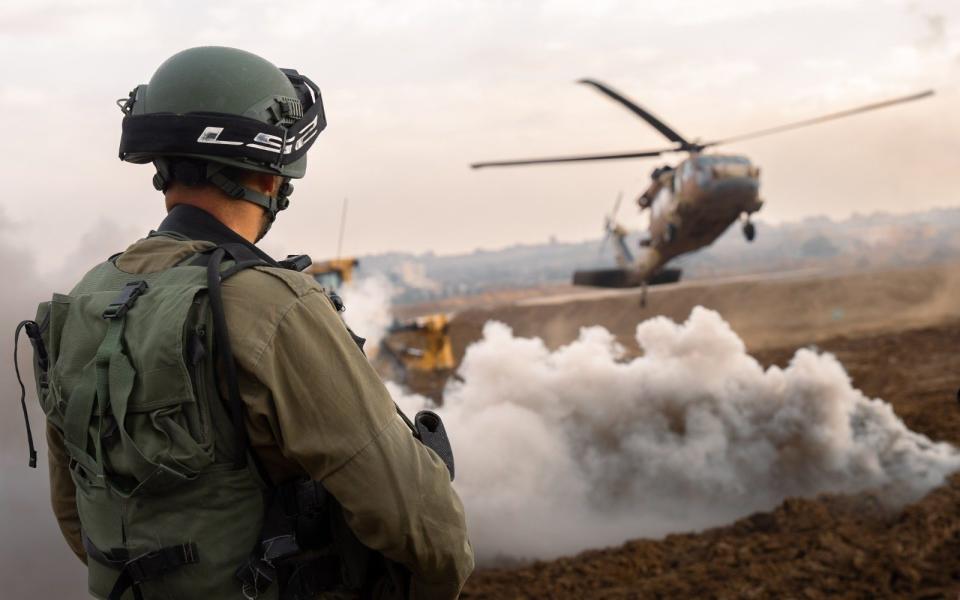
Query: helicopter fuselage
x,y
698,200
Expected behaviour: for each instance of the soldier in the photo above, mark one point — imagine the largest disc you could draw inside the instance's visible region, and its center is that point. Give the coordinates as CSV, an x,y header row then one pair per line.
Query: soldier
x,y
214,428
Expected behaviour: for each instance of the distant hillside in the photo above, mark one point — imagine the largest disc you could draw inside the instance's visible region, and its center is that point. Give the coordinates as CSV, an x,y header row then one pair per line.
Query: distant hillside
x,y
858,242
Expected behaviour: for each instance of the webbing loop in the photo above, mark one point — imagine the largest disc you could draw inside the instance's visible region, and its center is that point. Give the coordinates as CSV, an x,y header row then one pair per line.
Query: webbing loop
x,y
32,330
110,390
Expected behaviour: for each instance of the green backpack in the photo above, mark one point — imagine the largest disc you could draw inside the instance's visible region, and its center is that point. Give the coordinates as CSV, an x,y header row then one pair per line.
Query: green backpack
x,y
170,504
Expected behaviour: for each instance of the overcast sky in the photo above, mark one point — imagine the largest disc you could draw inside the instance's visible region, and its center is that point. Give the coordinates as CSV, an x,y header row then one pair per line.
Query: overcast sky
x,y
416,90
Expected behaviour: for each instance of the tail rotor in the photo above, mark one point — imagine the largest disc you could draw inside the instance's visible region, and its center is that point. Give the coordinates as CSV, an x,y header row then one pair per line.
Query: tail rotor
x,y
610,223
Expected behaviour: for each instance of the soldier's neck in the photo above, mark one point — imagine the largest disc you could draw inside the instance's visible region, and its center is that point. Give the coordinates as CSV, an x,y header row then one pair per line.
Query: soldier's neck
x,y
244,218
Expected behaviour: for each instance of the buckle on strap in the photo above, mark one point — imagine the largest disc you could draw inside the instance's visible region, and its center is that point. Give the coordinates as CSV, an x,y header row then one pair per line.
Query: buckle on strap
x,y
156,563
295,262
146,566
128,296
115,558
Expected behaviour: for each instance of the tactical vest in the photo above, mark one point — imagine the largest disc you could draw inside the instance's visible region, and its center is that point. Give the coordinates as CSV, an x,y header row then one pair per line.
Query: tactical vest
x,y
169,503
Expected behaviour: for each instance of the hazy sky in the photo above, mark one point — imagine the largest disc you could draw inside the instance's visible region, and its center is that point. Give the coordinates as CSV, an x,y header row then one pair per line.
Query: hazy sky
x,y
416,90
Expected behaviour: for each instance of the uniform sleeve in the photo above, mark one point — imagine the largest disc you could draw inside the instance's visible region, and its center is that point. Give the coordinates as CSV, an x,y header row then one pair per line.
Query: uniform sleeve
x,y
63,493
334,417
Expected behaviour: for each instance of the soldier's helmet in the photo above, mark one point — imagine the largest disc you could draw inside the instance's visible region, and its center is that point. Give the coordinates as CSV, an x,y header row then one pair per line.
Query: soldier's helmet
x,y
209,111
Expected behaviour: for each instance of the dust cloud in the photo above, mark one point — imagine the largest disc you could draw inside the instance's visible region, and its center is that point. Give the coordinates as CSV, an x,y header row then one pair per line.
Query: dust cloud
x,y
367,303
34,560
559,451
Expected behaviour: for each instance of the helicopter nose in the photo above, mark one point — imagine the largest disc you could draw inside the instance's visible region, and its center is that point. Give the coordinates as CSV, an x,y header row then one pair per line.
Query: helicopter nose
x,y
733,194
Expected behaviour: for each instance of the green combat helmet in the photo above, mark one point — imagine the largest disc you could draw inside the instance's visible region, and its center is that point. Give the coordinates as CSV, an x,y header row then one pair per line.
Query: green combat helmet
x,y
210,110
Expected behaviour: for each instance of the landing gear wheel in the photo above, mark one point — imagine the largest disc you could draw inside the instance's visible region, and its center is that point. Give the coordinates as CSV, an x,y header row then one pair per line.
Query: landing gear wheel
x,y
749,231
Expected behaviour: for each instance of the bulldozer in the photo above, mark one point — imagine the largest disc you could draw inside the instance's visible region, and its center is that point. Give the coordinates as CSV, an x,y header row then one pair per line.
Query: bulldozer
x,y
418,353
334,273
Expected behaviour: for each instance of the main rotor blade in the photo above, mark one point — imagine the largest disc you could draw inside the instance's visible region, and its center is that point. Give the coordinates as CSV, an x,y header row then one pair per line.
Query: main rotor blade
x,y
830,117
565,159
657,124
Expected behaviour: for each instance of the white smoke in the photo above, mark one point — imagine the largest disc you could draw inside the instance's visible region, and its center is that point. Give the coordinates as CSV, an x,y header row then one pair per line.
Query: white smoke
x,y
368,313
414,274
558,451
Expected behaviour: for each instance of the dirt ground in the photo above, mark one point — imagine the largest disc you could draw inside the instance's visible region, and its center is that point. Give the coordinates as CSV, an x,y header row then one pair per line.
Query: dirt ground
x,y
785,310
898,335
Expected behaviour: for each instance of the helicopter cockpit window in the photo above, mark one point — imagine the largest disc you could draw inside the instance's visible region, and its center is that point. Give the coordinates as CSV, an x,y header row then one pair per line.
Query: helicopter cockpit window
x,y
712,166
679,176
683,175
704,169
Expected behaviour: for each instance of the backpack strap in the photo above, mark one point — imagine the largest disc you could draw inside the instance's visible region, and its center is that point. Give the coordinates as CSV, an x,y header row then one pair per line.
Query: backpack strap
x,y
243,258
234,402
136,570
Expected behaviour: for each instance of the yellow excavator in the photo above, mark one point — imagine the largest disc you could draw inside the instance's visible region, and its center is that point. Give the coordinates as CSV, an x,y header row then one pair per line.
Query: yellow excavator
x,y
334,273
418,353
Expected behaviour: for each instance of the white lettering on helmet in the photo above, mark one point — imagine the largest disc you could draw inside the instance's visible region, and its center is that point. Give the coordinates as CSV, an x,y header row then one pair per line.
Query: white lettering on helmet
x,y
264,141
270,143
211,135
307,133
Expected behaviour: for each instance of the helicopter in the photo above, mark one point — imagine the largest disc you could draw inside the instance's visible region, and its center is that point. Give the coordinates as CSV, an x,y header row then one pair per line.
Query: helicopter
x,y
691,203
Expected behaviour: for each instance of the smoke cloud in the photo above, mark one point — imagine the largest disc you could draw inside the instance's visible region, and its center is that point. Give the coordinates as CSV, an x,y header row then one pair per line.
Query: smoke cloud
x,y
558,451
368,313
34,561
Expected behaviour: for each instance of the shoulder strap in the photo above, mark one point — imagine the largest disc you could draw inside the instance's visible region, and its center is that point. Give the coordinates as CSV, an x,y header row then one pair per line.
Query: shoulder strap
x,y
215,278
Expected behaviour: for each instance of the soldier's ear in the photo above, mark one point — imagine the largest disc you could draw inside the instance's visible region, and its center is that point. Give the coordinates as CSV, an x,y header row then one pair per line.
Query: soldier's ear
x,y
264,182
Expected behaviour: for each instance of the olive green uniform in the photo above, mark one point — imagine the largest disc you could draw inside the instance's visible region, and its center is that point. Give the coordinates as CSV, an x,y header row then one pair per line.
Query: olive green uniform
x,y
315,406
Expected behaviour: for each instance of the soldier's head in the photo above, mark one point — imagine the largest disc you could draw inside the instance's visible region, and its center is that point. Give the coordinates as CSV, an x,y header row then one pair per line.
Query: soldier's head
x,y
223,125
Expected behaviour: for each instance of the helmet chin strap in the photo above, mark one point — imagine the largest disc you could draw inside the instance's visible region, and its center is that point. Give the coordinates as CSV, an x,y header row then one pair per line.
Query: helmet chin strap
x,y
194,173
